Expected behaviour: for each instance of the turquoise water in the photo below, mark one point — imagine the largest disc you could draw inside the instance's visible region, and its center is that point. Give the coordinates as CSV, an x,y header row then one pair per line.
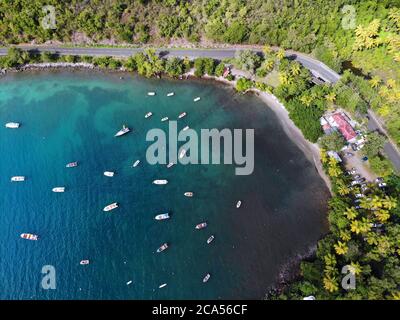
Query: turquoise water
x,y
73,116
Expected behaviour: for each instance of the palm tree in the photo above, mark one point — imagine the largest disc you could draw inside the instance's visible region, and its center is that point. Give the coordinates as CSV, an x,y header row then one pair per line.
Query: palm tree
x,y
355,268
330,283
362,226
295,68
382,215
331,97
351,213
372,238
389,203
334,171
266,50
345,235
285,78
280,54
268,65
341,248
375,82
342,188
391,83
324,156
306,100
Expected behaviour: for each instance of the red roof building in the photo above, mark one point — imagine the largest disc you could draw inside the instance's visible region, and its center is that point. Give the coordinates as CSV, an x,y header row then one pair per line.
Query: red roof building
x,y
344,127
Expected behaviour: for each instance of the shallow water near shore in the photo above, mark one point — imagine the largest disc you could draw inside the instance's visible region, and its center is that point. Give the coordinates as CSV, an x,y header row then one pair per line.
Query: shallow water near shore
x,y
73,116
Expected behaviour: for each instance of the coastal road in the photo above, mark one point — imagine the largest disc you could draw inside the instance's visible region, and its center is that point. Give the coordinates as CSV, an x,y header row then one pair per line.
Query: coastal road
x,y
318,68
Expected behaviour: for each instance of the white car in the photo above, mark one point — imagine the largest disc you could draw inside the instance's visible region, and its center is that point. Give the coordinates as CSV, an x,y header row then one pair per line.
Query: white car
x,y
382,184
360,195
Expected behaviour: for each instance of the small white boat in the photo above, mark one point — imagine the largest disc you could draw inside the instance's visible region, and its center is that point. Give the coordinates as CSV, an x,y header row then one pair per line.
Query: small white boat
x,y
162,248
148,115
160,182
84,262
164,119
182,153
58,189
238,204
162,216
12,125
111,207
162,285
169,165
123,131
188,194
206,278
196,99
29,236
18,178
183,114
72,164
129,282
109,173
201,225
210,239
185,128
136,163
170,94
151,93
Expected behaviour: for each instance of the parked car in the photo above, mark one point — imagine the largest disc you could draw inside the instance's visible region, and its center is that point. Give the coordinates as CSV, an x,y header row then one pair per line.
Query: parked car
x,y
359,195
364,159
352,171
382,185
354,182
348,154
354,146
358,176
379,179
361,180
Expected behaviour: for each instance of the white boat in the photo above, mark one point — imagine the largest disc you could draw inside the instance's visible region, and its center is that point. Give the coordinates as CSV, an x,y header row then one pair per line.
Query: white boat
x,y
58,189
84,262
206,278
109,173
12,125
18,178
188,194
182,153
170,94
164,119
123,131
196,99
148,115
162,216
72,164
136,163
160,182
162,285
29,236
129,282
210,239
151,93
185,128
183,114
162,248
169,165
238,204
201,225
111,206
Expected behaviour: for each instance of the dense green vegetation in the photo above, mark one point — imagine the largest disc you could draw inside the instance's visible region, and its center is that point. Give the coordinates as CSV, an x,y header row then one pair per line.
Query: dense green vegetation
x,y
364,235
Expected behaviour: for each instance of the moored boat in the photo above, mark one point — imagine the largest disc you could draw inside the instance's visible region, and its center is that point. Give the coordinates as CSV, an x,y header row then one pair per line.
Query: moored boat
x,y
163,247
148,115
183,114
58,189
182,153
185,128
210,239
12,125
238,204
129,282
111,206
206,278
123,131
188,194
109,173
160,181
196,99
170,94
151,93
201,225
72,164
169,165
136,163
162,285
162,216
18,178
84,262
29,236
164,119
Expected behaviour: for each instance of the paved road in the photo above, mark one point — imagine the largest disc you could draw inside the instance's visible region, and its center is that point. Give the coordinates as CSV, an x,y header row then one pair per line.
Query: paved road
x,y
316,67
